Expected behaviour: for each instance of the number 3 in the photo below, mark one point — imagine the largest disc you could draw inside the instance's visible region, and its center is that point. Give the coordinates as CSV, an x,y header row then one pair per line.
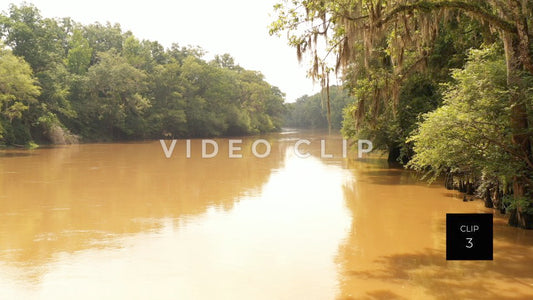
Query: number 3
x,y
469,243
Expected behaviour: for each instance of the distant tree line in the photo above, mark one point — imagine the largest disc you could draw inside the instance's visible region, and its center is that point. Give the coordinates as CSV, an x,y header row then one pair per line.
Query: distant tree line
x,y
61,81
311,112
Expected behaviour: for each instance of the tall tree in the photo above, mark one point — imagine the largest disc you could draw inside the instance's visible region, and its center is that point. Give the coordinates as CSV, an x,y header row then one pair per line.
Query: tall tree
x,y
42,43
18,90
79,54
115,96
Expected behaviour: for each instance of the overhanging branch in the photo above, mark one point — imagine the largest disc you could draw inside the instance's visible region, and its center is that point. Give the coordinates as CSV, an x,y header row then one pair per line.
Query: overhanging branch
x,y
471,8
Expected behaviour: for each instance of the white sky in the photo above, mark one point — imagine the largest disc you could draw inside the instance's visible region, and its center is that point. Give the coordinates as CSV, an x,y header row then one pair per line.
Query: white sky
x,y
237,27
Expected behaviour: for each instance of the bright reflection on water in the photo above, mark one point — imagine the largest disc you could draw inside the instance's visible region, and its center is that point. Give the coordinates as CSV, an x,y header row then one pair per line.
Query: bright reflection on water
x,y
120,221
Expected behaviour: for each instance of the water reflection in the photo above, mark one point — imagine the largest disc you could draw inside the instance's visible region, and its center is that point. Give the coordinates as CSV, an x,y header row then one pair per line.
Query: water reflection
x,y
120,221
71,198
396,248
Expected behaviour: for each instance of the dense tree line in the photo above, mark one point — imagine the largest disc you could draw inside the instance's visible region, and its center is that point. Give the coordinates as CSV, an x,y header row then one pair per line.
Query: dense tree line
x,y
61,81
311,112
445,86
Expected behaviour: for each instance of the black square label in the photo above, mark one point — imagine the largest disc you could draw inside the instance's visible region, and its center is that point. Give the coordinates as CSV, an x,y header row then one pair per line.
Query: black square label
x,y
468,236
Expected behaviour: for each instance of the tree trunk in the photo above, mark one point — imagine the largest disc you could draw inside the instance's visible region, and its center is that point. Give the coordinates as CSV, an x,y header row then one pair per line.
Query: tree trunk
x,y
488,199
449,181
394,154
519,128
469,189
497,199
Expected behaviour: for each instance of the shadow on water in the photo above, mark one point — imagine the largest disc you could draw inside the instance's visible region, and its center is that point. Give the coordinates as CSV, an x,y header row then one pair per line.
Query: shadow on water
x,y
396,247
379,171
456,195
394,176
452,279
16,154
512,235
377,294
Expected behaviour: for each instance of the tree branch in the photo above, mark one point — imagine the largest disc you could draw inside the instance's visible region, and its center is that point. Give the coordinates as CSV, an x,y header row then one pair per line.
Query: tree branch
x,y
472,8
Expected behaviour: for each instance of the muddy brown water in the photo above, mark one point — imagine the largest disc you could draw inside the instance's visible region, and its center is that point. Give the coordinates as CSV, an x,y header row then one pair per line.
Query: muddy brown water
x,y
121,221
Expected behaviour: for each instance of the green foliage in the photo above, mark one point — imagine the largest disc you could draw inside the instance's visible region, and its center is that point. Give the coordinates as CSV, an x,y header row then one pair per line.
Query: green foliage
x,y
517,203
483,129
387,122
113,95
43,44
470,133
167,114
18,90
79,54
67,80
311,112
390,129
103,38
37,40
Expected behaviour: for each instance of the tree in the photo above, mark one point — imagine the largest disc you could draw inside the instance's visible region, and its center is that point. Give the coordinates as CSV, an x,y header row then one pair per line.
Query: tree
x,y
105,84
167,115
138,54
18,90
42,43
310,111
469,137
225,61
115,96
30,36
470,133
79,54
103,38
408,29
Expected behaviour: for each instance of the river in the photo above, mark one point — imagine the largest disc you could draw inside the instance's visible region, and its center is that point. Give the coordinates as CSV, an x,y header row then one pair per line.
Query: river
x,y
122,221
